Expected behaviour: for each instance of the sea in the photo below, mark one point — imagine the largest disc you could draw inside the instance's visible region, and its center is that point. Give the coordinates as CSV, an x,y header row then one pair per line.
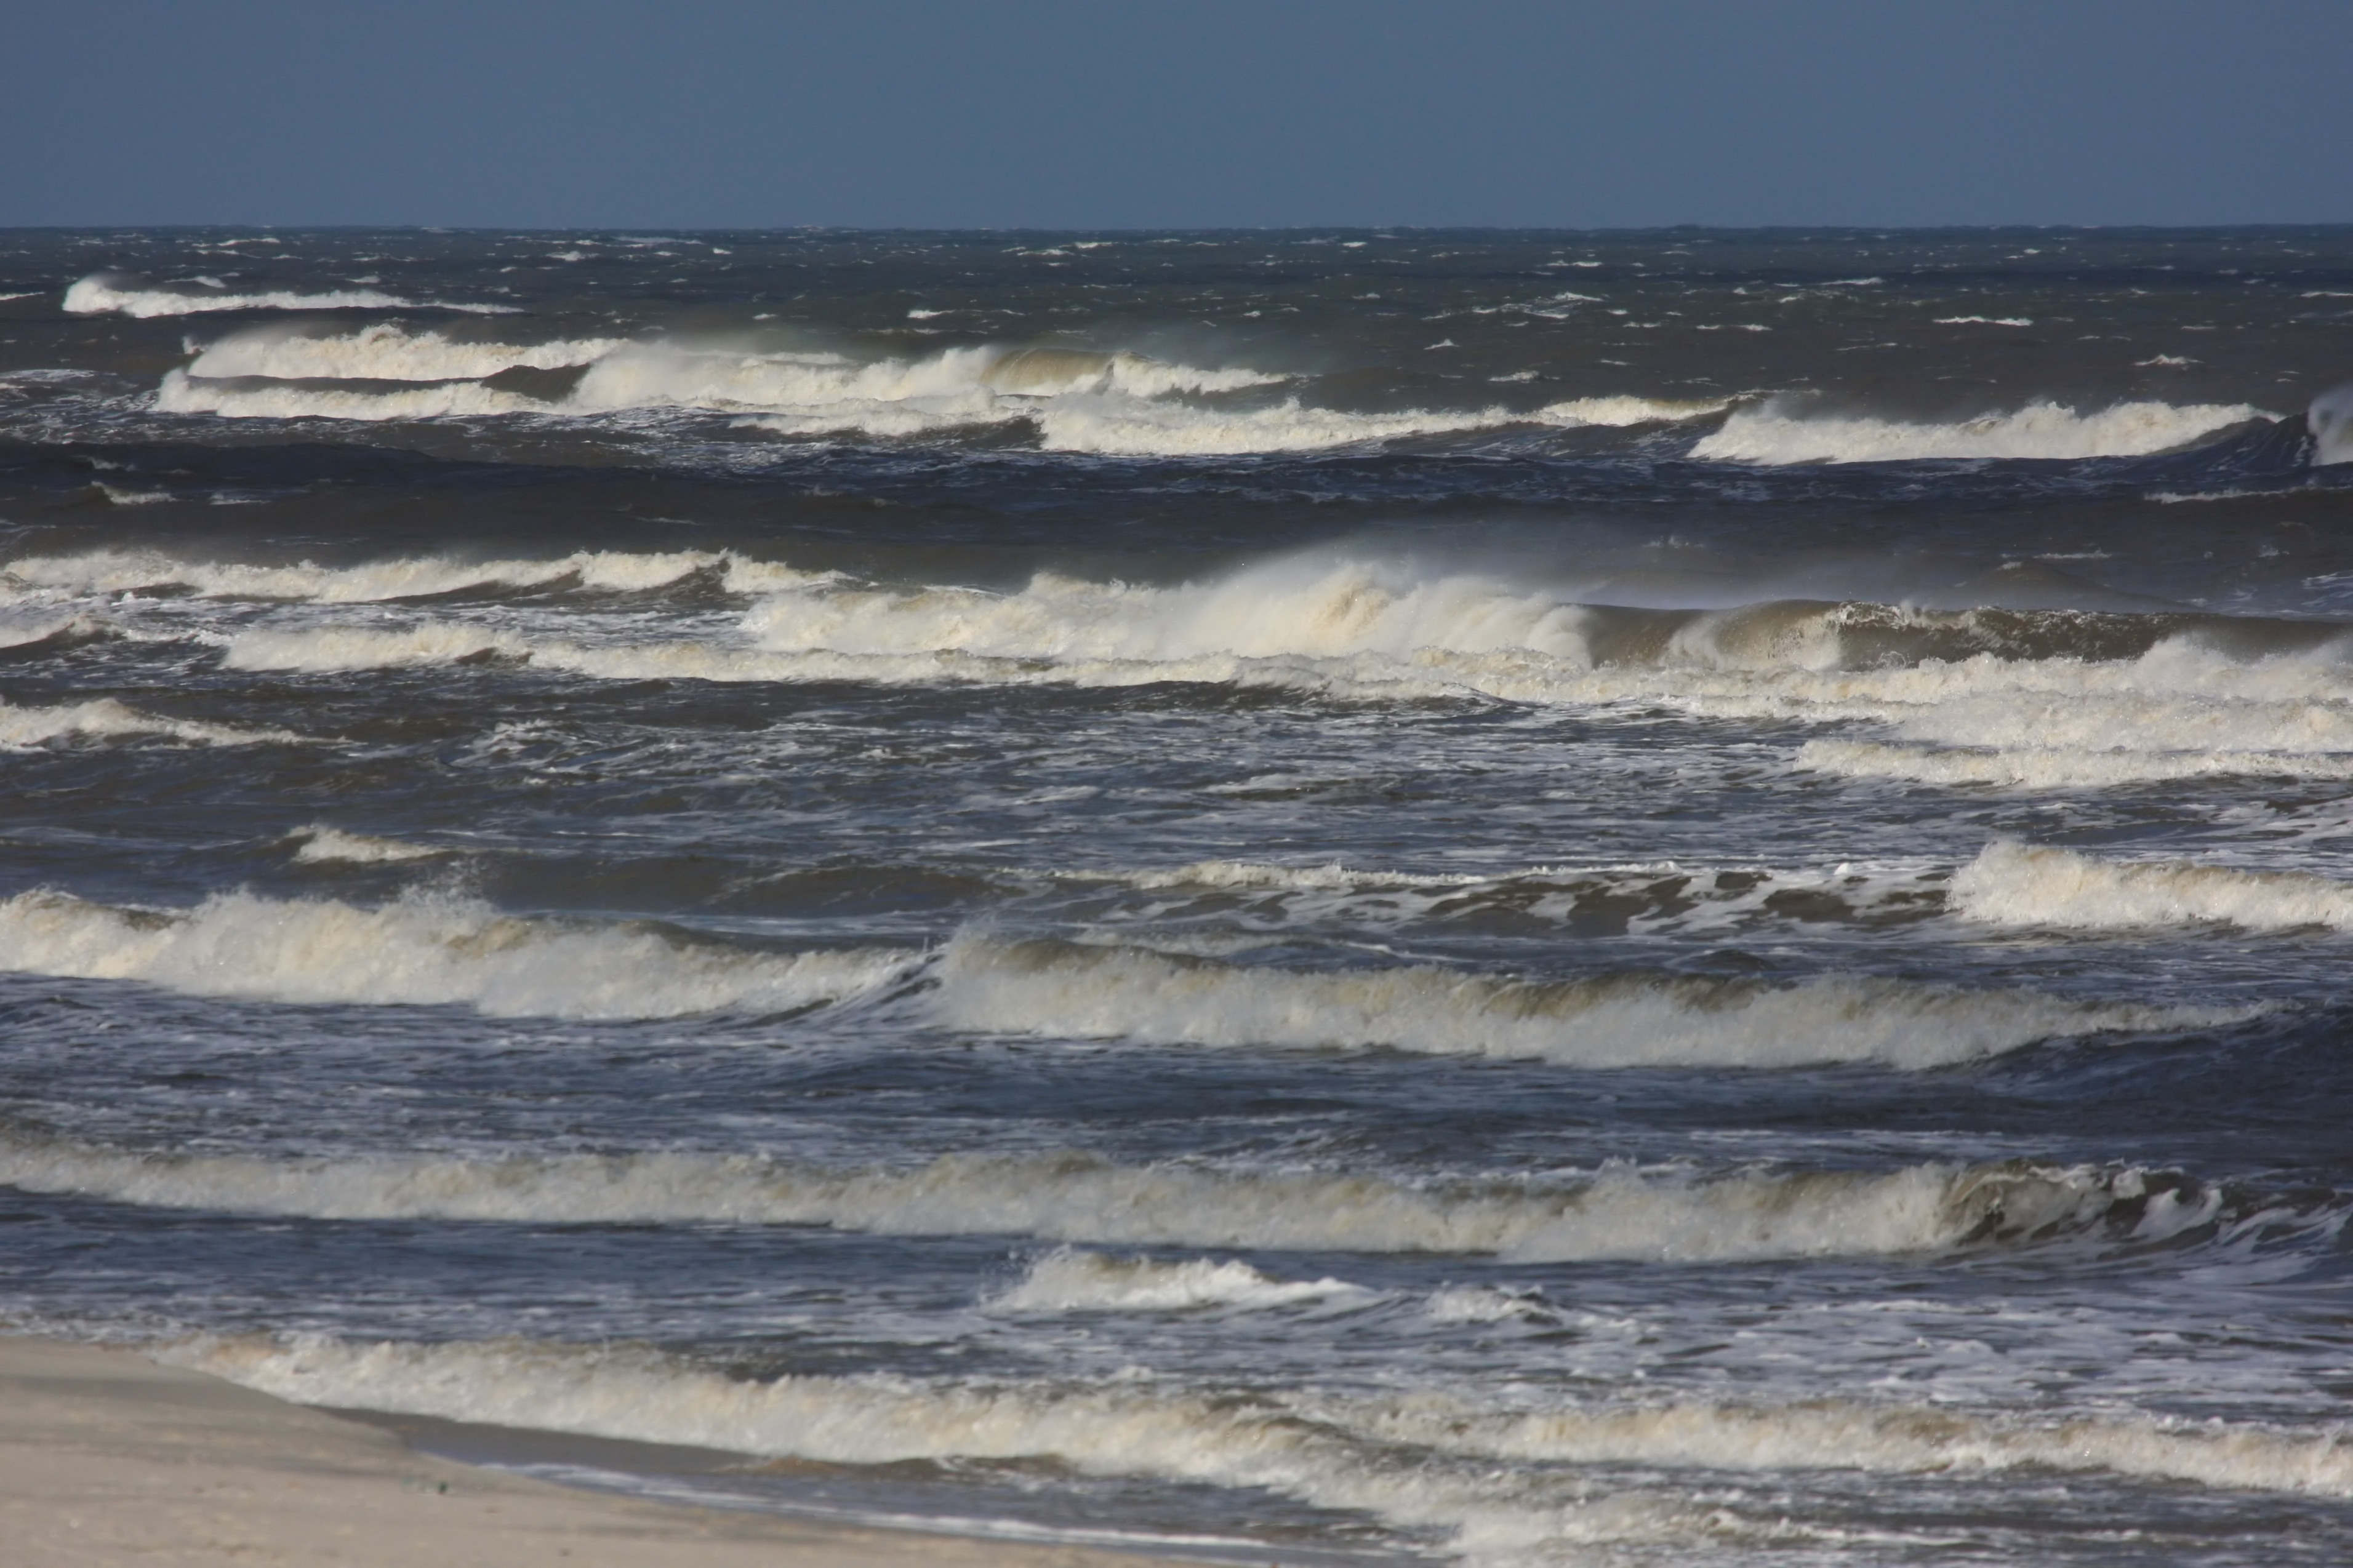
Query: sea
x,y
1339,897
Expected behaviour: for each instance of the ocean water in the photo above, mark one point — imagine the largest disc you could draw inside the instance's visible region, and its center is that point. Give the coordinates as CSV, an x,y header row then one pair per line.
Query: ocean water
x,y
1319,898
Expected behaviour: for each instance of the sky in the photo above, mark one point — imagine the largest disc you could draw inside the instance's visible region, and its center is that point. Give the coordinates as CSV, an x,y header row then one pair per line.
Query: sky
x,y
1175,113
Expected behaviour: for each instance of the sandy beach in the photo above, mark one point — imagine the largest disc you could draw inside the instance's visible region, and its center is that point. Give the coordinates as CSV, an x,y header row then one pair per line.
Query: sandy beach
x,y
106,1457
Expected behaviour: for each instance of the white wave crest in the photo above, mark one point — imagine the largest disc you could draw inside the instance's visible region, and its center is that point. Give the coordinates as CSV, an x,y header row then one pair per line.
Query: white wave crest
x,y
102,293
1419,1458
1385,630
384,351
1079,1198
183,393
2331,422
1118,404
1620,410
23,728
1070,989
2015,884
1771,432
2059,767
321,845
422,950
1068,1280
117,571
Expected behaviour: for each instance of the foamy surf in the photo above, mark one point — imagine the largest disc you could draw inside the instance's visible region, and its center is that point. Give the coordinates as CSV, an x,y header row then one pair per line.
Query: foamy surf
x,y
396,577
1061,988
320,844
1082,1199
1415,1456
384,351
423,949
1776,432
2016,884
102,293
106,718
1068,1280
2059,767
1113,402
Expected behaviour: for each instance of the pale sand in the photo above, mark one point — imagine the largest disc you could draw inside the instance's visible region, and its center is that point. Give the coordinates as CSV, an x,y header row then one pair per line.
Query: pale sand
x,y
108,1458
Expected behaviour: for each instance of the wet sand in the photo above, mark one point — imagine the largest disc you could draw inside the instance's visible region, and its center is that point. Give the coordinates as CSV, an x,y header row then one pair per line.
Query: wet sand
x,y
106,1457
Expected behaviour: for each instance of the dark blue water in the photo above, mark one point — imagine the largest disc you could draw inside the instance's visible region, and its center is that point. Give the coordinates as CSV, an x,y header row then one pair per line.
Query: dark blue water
x,y
1538,898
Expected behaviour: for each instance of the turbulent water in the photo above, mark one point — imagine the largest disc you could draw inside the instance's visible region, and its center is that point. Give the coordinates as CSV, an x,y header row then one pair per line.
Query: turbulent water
x,y
1522,898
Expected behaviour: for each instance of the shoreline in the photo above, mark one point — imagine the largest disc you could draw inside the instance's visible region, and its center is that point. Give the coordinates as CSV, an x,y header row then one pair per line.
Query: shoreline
x,y
108,1458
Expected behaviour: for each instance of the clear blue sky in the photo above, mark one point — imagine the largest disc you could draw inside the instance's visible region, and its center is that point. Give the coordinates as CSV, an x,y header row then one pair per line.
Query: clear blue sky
x,y
1134,113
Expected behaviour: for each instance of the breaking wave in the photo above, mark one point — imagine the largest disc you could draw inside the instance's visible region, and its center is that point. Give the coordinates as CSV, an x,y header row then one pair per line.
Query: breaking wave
x,y
2059,767
2330,419
1068,1280
321,845
106,718
2014,884
1112,402
1776,433
422,950
102,293
423,576
385,352
1080,1198
1061,988
1415,1456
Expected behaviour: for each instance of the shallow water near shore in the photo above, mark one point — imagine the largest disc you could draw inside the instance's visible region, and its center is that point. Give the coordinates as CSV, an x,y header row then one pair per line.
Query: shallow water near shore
x,y
1517,898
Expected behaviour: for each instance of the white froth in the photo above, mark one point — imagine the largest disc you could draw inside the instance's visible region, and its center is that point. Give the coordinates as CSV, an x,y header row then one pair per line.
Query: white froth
x,y
1772,433
1417,1457
2015,884
2331,421
321,845
422,950
2059,767
1066,989
100,294
183,393
384,351
116,571
104,718
1079,1198
1068,1280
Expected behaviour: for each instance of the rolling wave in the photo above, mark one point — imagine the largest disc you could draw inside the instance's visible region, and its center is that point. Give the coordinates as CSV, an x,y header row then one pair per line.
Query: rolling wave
x,y
106,718
1064,989
423,949
104,293
1414,1457
1778,433
2015,884
1072,1197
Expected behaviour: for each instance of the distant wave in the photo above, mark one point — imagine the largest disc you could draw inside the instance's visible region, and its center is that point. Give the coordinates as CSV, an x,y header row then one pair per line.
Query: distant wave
x,y
1112,402
2106,695
1776,432
102,293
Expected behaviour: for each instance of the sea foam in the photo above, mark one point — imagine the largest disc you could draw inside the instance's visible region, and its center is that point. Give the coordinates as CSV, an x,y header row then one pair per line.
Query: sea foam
x,y
1061,988
1415,1456
422,950
2015,884
1079,1198
1776,432
102,293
